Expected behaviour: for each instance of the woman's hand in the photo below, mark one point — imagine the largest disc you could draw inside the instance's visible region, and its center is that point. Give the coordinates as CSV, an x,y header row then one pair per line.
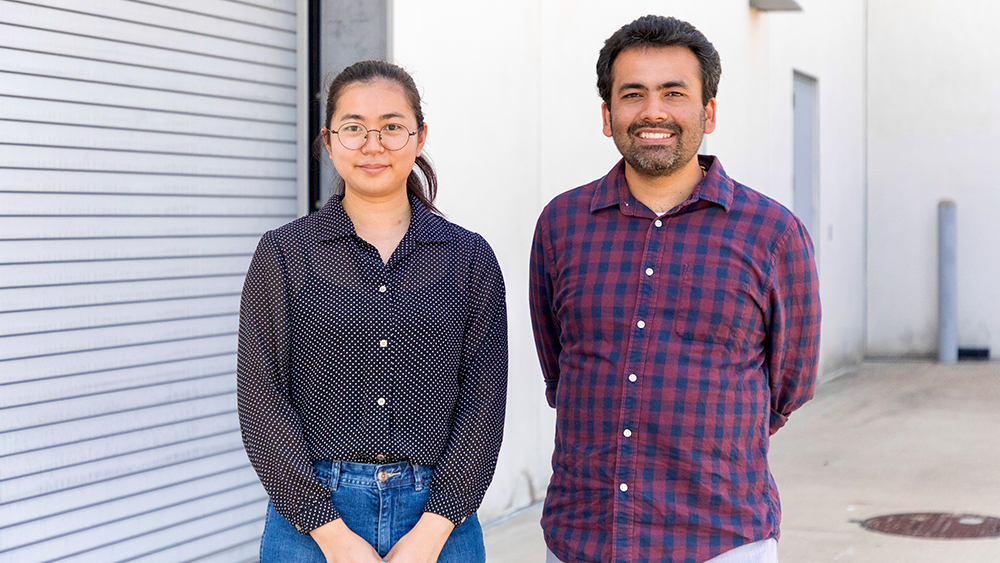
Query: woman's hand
x,y
341,545
423,543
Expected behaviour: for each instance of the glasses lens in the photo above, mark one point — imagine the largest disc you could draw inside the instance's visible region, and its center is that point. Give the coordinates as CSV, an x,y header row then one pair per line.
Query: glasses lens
x,y
394,136
352,135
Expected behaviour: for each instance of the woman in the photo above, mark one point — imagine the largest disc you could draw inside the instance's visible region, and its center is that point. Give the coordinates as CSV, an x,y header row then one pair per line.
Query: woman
x,y
372,367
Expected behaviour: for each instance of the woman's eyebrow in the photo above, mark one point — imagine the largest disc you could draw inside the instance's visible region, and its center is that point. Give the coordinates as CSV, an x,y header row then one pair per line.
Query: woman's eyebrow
x,y
356,117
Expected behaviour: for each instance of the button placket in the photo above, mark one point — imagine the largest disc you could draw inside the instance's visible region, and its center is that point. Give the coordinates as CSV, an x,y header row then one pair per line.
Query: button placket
x,y
383,307
632,392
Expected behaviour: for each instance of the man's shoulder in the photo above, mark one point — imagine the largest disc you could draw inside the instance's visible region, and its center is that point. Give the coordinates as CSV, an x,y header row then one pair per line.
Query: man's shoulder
x,y
768,215
571,202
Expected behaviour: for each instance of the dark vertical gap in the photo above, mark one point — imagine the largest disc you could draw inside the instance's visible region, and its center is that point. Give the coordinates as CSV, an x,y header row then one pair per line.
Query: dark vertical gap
x,y
315,103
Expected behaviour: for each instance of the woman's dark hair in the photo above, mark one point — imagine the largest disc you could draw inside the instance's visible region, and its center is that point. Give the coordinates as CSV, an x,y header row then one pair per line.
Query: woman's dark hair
x,y
422,182
659,31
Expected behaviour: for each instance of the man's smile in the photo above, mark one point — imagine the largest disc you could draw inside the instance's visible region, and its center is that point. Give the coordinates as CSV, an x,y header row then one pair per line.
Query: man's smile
x,y
650,135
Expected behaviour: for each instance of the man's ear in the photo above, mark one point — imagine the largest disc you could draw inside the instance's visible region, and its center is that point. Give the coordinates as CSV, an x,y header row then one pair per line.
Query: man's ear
x,y
606,116
710,116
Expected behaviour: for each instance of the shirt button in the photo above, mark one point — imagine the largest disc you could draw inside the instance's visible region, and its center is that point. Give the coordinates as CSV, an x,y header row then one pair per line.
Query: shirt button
x,y
632,377
627,433
379,457
381,401
641,324
382,289
658,223
383,343
649,271
623,487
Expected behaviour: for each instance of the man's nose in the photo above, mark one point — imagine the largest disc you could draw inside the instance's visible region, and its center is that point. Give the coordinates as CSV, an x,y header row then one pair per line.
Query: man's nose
x,y
654,110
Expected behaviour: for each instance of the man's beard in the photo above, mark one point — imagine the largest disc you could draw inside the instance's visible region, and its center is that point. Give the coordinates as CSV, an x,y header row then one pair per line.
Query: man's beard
x,y
658,160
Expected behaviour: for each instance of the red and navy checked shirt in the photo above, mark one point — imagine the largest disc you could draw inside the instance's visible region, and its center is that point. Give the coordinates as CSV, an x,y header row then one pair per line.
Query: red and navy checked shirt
x,y
672,348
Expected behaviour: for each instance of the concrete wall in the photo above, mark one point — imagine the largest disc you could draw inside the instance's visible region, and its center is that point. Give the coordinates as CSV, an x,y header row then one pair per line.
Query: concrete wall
x,y
514,119
934,87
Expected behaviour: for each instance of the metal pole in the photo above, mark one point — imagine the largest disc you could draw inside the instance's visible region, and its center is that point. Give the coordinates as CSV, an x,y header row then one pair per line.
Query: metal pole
x,y
947,282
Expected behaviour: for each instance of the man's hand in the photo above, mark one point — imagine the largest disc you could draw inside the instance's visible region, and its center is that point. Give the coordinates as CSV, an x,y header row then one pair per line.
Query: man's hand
x,y
341,545
423,543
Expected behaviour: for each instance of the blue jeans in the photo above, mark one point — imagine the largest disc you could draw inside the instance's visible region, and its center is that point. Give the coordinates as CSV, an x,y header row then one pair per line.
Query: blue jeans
x,y
380,503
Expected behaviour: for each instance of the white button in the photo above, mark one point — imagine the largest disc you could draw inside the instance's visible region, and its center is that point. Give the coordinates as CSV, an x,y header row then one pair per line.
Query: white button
x,y
627,433
383,343
381,401
632,377
623,487
649,271
658,223
641,324
382,289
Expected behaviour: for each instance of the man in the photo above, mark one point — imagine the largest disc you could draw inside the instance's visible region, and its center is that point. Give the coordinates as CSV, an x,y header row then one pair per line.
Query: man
x,y
676,315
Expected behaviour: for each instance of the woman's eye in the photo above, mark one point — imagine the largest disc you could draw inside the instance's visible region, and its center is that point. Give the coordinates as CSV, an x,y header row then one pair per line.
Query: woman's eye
x,y
393,127
351,128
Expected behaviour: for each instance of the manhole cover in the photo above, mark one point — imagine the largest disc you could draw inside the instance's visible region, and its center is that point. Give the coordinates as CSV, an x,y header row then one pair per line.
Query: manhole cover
x,y
935,525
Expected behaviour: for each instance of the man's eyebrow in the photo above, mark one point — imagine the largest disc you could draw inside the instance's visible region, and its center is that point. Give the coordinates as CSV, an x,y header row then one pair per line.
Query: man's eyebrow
x,y
673,84
631,86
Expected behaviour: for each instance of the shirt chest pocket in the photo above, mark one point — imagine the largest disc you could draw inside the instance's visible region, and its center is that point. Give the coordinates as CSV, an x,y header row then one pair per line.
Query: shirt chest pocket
x,y
716,311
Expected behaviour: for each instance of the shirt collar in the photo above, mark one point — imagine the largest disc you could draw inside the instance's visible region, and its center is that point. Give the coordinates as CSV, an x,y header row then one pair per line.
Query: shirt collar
x,y
425,226
716,187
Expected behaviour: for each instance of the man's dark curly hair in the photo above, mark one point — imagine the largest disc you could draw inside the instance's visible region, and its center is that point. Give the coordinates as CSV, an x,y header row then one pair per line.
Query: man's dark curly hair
x,y
660,31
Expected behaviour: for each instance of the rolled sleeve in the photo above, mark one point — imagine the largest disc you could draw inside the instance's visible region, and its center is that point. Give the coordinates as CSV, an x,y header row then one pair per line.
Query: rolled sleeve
x,y
544,323
793,340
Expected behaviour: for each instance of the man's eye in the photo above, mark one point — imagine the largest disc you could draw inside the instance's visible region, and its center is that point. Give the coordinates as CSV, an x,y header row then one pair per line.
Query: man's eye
x,y
393,127
631,95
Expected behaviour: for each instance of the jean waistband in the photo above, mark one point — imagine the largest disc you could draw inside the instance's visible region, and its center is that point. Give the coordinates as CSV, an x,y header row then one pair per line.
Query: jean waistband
x,y
400,474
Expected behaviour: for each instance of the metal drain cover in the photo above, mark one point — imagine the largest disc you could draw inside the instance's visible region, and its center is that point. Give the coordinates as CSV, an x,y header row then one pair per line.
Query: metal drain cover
x,y
935,525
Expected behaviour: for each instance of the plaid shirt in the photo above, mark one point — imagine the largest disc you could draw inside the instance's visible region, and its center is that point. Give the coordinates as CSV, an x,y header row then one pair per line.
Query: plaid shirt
x,y
672,348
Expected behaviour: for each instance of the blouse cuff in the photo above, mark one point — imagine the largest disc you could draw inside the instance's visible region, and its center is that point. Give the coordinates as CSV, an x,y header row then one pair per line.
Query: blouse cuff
x,y
447,507
314,516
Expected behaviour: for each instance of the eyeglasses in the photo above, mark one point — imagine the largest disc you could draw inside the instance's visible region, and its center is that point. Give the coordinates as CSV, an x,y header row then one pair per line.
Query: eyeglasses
x,y
392,136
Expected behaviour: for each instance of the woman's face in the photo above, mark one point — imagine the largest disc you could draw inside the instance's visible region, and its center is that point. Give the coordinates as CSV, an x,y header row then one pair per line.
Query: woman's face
x,y
372,171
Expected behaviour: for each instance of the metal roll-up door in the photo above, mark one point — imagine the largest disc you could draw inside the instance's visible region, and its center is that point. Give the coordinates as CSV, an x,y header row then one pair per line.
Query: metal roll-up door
x,y
144,148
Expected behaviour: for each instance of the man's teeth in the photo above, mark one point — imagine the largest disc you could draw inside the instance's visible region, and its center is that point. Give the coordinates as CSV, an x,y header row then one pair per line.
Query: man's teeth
x,y
655,135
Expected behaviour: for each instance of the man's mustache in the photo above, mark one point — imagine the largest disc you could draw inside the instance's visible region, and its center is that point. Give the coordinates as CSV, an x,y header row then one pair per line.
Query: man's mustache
x,y
668,125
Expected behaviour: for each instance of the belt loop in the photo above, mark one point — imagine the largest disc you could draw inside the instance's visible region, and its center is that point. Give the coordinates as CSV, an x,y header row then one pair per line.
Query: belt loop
x,y
334,474
418,477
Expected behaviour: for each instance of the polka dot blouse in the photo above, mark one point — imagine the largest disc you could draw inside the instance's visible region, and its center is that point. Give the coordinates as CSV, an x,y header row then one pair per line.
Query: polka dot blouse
x,y
344,357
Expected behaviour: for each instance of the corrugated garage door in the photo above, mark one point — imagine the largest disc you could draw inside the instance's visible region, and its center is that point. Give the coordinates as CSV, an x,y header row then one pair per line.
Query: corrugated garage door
x,y
144,148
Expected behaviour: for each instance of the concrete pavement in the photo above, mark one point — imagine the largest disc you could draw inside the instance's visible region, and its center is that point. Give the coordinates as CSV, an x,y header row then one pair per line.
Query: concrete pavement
x,y
890,437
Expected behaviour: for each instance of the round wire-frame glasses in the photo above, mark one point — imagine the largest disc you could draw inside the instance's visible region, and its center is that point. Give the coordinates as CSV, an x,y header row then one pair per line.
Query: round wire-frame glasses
x,y
392,136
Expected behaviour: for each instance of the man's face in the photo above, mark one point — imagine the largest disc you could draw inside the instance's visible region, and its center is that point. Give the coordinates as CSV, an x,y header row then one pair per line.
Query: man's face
x,y
656,117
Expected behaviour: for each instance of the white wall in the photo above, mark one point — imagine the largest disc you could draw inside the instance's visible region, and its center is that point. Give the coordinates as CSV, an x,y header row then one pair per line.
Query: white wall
x,y
522,73
934,118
